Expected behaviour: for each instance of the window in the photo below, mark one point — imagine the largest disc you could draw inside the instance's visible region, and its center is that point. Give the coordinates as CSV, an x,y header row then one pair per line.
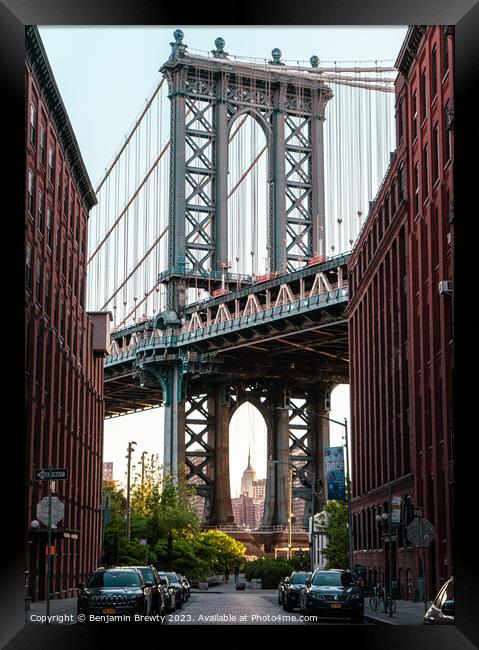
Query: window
x,y
47,295
386,212
55,310
31,199
447,135
445,51
400,122
49,227
62,319
38,281
423,96
393,198
57,252
28,267
51,166
414,115
42,146
82,284
425,174
402,183
435,153
433,73
416,189
40,212
64,263
83,241
65,199
59,187
33,125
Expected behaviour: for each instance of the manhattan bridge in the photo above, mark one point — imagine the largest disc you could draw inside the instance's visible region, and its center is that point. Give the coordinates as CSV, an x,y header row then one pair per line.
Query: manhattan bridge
x,y
219,245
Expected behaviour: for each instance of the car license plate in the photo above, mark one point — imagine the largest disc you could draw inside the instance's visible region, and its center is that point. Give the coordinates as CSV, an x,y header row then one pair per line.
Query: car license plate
x,y
109,610
336,605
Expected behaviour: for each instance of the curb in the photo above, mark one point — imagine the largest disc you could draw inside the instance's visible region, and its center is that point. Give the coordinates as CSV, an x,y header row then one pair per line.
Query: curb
x,y
375,619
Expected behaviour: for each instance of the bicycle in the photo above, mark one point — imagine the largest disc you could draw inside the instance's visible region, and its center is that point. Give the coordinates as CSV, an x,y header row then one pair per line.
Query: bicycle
x,y
389,603
375,598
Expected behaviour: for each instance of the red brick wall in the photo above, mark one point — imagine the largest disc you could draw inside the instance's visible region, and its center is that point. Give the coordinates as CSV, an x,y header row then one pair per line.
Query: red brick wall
x,y
63,381
400,332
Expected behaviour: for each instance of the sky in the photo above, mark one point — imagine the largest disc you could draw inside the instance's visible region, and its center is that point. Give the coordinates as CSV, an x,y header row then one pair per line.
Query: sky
x,y
105,76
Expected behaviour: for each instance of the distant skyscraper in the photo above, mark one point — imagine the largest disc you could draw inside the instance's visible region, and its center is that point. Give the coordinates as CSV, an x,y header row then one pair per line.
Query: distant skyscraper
x,y
108,471
248,507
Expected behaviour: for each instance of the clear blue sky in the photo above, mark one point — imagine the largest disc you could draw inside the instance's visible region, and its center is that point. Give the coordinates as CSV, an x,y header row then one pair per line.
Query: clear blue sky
x,y
106,74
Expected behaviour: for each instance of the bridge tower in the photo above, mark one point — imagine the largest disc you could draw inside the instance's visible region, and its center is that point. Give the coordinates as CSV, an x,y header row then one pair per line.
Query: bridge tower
x,y
208,94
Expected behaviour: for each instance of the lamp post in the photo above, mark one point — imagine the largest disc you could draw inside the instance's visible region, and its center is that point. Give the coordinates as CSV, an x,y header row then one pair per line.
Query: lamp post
x,y
348,481
384,520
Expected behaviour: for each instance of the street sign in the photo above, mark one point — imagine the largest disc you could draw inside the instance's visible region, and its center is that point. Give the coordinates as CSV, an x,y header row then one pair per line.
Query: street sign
x,y
395,511
51,474
58,510
420,532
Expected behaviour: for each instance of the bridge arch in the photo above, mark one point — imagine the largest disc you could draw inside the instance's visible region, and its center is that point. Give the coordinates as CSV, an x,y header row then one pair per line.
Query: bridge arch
x,y
249,188
248,453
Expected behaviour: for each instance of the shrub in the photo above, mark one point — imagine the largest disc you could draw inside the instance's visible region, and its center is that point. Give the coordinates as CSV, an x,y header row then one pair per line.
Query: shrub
x,y
268,570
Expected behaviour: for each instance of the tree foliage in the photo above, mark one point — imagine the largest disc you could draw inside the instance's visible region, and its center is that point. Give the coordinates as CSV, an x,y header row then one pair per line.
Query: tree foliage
x,y
268,570
336,551
159,506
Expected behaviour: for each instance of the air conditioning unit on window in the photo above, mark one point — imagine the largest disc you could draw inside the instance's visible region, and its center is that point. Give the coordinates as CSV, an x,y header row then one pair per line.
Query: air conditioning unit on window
x,y
445,286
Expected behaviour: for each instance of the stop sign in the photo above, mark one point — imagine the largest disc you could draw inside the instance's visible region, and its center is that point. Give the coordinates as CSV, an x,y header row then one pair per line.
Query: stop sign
x,y
58,510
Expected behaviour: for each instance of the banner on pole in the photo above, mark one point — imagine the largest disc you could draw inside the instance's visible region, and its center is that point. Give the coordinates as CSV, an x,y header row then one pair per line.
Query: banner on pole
x,y
395,511
334,469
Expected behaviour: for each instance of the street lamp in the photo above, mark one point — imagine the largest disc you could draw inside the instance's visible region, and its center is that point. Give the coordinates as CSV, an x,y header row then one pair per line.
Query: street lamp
x,y
348,481
384,521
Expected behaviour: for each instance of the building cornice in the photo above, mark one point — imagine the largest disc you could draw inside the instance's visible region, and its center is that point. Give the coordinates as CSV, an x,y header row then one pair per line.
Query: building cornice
x,y
38,62
409,48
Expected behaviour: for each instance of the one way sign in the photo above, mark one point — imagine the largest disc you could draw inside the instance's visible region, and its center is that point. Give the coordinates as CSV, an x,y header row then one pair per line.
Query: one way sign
x,y
51,474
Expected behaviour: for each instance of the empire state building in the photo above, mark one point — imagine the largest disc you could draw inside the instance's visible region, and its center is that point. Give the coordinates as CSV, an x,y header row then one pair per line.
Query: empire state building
x,y
249,477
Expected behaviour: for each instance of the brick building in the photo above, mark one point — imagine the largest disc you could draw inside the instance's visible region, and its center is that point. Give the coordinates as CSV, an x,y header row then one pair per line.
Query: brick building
x,y
108,471
401,327
64,345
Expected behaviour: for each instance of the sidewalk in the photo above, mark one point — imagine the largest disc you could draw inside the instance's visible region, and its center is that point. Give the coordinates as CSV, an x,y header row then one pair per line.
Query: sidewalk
x,y
407,613
63,610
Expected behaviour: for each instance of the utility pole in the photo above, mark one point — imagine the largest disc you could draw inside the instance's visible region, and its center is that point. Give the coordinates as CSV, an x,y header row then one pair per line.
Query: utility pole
x,y
290,518
142,461
128,456
350,516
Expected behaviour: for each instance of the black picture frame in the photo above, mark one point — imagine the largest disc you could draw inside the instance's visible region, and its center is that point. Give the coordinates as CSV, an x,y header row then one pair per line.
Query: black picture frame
x,y
464,14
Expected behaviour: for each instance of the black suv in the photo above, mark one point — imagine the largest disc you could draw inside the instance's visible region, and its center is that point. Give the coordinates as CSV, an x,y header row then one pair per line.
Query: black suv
x,y
158,590
114,591
333,592
176,584
292,588
170,593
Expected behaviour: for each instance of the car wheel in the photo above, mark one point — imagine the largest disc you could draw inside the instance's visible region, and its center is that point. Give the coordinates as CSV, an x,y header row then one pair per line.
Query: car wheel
x,y
179,604
287,605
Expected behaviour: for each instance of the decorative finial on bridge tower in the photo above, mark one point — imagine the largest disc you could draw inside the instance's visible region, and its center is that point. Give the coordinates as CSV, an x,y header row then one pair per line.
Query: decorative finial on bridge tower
x,y
314,60
178,48
276,54
219,53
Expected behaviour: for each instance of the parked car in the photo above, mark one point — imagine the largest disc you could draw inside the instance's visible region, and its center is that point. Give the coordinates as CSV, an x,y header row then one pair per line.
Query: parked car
x,y
333,592
177,586
281,589
170,594
292,589
158,590
186,586
441,611
119,590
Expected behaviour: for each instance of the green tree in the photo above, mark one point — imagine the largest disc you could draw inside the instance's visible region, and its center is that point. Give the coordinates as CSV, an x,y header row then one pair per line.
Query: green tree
x,y
218,550
336,551
269,570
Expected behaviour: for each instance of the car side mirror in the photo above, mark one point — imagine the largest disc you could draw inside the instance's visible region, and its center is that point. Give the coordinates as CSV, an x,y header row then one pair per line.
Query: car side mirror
x,y
448,608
